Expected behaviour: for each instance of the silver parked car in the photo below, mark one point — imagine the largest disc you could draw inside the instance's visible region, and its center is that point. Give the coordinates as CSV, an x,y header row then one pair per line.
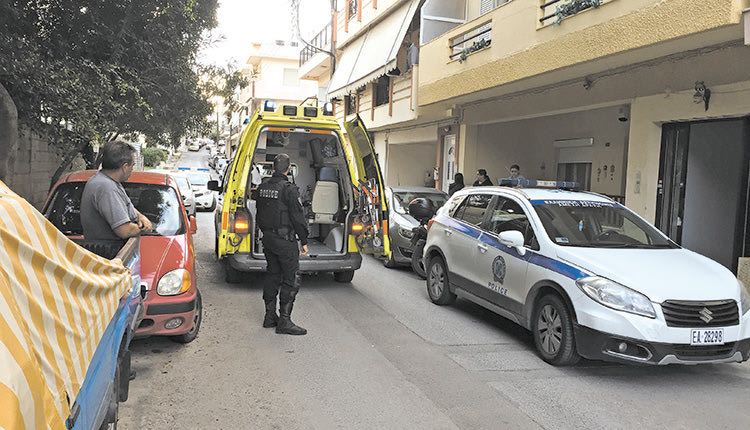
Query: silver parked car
x,y
400,223
205,199
186,190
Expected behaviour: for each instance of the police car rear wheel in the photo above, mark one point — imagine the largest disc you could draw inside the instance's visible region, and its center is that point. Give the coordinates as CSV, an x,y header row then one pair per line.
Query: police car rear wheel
x,y
437,282
553,332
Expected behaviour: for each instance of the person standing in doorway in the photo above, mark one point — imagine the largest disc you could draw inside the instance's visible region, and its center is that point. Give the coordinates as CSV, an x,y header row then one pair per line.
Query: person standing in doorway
x,y
515,173
281,220
458,184
482,179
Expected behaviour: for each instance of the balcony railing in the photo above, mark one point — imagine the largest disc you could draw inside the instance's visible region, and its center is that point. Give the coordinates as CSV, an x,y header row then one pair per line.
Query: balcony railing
x,y
564,8
473,40
320,41
352,8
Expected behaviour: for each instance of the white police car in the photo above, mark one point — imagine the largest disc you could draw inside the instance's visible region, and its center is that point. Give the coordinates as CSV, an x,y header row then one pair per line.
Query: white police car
x,y
587,276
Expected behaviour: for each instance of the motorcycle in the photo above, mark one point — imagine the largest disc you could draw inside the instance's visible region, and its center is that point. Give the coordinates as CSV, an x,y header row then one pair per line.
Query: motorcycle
x,y
422,210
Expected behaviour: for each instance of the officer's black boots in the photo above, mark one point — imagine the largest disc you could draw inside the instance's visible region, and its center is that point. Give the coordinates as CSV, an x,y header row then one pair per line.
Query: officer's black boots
x,y
271,319
285,325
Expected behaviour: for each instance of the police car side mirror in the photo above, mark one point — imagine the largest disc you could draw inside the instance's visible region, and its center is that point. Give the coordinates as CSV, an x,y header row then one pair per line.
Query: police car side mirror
x,y
213,185
514,239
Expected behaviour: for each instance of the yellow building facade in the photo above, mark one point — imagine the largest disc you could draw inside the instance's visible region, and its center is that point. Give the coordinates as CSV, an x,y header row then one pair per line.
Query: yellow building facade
x,y
642,100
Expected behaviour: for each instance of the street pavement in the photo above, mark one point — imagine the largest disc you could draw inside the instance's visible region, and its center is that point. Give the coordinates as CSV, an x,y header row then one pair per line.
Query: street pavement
x,y
380,355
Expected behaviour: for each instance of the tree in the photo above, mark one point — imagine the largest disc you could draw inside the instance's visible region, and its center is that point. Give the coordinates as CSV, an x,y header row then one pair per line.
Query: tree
x,y
84,71
224,82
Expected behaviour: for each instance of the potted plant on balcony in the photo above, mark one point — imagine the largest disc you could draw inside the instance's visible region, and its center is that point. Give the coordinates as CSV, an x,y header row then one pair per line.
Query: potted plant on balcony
x,y
572,7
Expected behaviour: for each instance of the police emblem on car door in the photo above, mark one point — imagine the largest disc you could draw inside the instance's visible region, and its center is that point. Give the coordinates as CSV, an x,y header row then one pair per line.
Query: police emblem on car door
x,y
502,268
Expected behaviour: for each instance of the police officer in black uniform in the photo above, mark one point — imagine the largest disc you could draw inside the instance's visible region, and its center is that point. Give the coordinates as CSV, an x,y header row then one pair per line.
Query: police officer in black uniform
x,y
281,219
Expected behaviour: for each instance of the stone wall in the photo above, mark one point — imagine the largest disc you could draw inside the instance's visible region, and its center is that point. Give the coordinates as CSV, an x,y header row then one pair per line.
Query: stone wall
x,y
27,162
36,161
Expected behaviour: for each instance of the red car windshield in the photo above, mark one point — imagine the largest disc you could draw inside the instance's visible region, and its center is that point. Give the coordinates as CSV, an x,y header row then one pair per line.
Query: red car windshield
x,y
159,203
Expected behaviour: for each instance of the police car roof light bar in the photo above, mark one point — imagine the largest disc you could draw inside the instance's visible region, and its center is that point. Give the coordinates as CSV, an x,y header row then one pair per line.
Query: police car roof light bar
x,y
564,185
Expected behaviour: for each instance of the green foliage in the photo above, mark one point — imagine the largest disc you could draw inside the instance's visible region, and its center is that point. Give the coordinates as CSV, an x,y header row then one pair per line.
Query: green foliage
x,y
476,46
82,71
224,82
154,156
572,7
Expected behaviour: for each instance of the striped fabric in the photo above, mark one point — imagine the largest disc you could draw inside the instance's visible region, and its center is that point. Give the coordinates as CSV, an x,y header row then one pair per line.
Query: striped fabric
x,y
56,300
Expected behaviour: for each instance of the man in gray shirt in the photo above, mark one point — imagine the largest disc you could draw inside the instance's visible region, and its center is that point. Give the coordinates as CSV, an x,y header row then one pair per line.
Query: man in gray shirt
x,y
106,210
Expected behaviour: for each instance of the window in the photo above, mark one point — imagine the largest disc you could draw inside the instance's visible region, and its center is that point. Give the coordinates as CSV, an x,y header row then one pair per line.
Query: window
x,y
597,224
381,90
473,208
350,104
291,77
353,8
508,215
576,172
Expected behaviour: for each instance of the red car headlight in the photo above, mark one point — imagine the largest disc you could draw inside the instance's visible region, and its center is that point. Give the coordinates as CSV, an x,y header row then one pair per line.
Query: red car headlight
x,y
175,282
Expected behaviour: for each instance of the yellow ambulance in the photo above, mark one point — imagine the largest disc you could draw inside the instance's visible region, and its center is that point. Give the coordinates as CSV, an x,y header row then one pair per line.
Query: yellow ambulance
x,y
341,191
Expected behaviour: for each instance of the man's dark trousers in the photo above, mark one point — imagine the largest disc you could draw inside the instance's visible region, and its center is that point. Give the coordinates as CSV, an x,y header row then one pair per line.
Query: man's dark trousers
x,y
282,256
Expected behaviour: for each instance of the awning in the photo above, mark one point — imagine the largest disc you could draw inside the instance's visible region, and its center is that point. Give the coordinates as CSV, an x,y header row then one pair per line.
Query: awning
x,y
373,54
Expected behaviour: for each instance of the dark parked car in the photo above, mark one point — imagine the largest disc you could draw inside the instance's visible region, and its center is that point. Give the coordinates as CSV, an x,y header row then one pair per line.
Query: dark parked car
x,y
400,223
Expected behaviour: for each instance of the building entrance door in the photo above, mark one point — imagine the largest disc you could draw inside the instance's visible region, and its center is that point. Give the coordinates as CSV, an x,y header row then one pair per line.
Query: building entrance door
x,y
702,194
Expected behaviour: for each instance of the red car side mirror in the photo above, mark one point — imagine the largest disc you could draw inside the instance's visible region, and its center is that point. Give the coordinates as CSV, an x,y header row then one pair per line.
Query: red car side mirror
x,y
193,225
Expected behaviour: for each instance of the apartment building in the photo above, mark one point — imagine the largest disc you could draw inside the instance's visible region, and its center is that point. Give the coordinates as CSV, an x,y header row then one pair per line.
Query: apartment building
x,y
644,100
376,45
273,70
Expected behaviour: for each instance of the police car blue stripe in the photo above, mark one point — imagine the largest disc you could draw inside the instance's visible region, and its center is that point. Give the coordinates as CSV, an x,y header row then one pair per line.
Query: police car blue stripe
x,y
466,229
531,257
556,266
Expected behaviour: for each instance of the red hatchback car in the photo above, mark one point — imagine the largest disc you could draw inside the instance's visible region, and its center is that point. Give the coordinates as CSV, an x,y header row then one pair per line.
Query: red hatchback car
x,y
173,304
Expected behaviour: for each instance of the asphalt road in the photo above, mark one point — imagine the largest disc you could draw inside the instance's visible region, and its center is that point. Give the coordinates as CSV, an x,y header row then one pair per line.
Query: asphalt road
x,y
380,355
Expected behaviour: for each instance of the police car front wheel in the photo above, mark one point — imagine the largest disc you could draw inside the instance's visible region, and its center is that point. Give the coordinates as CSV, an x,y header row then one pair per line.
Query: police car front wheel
x,y
437,282
553,331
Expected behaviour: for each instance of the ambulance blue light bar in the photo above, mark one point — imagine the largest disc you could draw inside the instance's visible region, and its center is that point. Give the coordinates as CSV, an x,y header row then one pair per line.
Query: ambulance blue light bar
x,y
328,109
269,106
527,183
199,169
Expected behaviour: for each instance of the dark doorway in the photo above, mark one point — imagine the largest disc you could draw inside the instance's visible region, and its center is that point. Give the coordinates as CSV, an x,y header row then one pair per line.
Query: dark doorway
x,y
702,193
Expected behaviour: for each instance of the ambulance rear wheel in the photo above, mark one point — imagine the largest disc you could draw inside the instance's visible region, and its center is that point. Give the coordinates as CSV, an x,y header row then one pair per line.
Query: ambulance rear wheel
x,y
346,276
232,275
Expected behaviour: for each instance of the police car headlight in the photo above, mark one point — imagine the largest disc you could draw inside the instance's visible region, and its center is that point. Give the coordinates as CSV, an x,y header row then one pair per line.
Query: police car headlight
x,y
172,283
616,296
744,298
405,232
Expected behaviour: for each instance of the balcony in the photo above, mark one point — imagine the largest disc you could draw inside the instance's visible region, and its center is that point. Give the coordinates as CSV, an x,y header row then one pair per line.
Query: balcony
x,y
313,62
523,44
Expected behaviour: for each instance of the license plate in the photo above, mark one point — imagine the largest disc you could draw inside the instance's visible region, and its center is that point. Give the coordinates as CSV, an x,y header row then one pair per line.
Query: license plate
x,y
707,337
